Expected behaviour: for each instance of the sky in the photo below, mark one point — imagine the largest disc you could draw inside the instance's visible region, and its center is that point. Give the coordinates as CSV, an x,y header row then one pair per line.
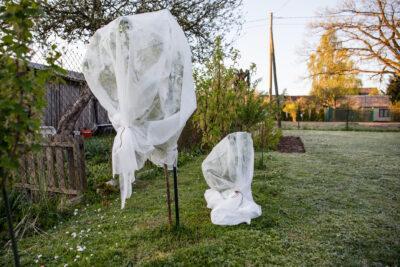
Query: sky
x,y
290,36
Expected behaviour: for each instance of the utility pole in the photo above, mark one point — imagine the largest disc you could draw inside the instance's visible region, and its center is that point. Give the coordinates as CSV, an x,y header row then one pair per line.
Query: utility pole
x,y
270,58
272,69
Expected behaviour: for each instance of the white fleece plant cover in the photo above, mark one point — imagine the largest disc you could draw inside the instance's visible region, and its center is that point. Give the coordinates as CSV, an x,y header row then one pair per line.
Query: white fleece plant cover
x,y
139,67
228,171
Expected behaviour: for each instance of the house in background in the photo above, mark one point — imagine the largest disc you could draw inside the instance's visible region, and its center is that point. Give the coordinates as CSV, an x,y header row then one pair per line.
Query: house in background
x,y
378,105
368,91
368,105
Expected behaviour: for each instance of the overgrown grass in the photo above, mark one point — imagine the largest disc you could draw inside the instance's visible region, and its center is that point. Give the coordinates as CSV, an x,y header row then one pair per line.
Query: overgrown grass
x,y
337,204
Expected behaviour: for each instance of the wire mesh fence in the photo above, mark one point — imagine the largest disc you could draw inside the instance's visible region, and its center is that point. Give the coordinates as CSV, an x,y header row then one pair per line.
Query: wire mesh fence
x,y
61,96
71,54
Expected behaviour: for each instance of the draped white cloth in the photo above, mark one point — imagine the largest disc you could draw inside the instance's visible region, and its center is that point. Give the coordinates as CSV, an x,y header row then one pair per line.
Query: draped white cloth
x,y
228,171
139,68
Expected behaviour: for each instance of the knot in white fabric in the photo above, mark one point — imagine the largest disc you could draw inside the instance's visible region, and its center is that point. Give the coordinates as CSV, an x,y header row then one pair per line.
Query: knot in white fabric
x,y
139,68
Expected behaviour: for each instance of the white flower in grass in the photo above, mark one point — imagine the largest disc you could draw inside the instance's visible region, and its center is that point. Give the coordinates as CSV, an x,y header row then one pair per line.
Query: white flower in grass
x,y
36,261
77,256
80,248
88,230
55,257
67,232
66,265
70,248
102,217
91,255
87,205
98,210
75,212
73,234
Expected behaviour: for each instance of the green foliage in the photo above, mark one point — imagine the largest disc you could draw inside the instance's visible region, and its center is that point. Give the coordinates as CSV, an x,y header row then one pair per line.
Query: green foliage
x,y
225,102
21,87
393,89
98,149
32,216
267,135
291,107
330,69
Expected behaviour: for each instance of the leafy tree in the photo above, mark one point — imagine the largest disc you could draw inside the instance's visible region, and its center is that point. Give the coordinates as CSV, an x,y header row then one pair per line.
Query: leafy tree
x,y
202,21
393,89
325,67
291,107
374,91
225,102
21,88
370,32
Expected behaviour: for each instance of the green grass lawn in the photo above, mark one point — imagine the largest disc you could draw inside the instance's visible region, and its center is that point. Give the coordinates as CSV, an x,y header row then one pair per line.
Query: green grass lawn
x,y
337,204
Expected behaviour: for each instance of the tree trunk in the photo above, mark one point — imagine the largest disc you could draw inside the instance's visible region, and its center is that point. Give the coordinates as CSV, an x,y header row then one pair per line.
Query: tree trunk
x,y
68,120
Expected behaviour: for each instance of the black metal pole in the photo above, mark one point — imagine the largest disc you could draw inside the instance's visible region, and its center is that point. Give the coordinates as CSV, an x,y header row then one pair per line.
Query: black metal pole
x,y
10,224
176,197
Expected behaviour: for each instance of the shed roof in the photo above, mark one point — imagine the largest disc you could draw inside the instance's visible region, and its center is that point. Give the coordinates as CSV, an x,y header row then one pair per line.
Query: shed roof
x,y
70,75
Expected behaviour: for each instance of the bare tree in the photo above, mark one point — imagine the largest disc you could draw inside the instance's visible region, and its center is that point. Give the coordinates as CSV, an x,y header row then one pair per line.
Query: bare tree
x,y
201,20
369,30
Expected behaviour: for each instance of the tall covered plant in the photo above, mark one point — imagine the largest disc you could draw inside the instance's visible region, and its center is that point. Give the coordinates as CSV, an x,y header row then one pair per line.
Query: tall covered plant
x,y
21,89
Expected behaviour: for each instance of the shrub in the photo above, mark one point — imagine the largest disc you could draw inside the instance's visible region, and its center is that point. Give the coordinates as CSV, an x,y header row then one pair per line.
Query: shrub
x,y
227,102
267,135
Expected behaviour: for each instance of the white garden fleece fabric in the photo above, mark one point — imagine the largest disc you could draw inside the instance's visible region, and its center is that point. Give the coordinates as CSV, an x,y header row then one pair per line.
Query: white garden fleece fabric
x,y
140,69
228,171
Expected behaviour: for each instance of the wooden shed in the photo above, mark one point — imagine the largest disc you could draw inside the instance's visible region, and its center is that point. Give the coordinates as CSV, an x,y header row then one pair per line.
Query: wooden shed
x,y
60,96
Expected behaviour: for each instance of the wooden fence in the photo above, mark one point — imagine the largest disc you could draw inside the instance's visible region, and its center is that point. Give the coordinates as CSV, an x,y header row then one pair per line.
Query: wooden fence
x,y
59,166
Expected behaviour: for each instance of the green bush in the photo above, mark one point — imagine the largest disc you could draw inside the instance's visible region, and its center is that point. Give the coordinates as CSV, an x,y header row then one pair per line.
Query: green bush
x,y
98,149
267,135
226,101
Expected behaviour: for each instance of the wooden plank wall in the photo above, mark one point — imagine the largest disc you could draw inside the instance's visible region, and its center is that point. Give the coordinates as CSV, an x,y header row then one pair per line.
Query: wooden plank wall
x,y
58,166
61,96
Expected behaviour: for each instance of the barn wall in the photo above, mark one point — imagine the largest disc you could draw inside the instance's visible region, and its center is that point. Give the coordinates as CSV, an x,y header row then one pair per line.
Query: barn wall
x,y
61,96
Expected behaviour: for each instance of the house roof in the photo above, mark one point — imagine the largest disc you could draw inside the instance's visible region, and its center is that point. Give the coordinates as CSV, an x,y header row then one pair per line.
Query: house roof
x,y
368,101
366,90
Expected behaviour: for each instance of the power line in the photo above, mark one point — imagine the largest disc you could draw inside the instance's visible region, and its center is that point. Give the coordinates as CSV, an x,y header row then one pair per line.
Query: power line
x,y
313,17
255,20
276,24
284,4
302,17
